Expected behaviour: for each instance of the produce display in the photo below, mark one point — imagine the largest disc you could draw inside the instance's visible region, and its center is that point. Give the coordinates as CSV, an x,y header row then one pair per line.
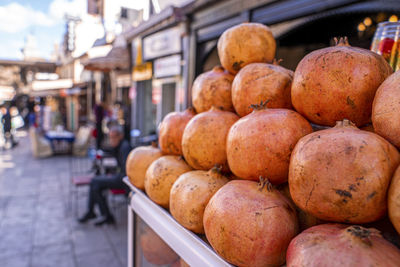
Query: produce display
x,y
265,173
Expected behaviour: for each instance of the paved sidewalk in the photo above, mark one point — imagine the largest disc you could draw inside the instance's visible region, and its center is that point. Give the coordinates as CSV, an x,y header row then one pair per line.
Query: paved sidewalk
x,y
37,229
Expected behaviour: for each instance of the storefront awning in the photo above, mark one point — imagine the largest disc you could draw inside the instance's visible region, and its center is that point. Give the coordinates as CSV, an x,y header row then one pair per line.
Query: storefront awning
x,y
116,59
52,87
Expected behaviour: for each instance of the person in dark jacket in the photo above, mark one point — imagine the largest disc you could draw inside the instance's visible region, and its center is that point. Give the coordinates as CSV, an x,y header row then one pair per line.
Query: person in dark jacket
x,y
99,184
6,121
99,115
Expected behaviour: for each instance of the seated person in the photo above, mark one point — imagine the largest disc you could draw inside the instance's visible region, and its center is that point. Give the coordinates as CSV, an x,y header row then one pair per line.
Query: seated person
x,y
101,183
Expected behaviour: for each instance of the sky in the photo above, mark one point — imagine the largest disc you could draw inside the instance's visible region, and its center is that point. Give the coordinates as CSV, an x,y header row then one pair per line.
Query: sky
x,y
41,18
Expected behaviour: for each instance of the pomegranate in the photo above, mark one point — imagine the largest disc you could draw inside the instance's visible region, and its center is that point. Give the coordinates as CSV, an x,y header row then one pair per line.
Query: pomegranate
x,y
337,83
244,44
258,82
341,245
204,139
213,88
342,174
139,159
394,200
260,143
160,177
190,195
386,109
171,131
250,224
154,249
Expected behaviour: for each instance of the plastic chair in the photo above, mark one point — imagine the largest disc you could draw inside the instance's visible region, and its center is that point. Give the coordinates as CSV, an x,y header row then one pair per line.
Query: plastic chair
x,y
41,147
82,141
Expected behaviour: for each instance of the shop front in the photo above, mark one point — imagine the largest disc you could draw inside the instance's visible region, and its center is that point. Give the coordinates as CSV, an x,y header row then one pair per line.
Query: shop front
x,y
298,26
158,73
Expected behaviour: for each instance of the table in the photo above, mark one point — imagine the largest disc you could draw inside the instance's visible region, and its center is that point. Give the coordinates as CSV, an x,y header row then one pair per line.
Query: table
x,y
61,141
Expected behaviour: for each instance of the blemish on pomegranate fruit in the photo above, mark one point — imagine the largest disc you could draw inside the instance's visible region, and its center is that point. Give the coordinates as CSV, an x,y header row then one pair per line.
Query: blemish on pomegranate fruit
x,y
343,193
350,102
352,187
371,195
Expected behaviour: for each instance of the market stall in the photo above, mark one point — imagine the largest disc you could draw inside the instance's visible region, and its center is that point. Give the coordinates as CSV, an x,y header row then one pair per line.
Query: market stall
x,y
273,167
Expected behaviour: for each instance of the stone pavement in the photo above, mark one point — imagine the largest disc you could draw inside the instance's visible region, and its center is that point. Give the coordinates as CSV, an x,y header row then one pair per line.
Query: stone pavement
x,y
37,227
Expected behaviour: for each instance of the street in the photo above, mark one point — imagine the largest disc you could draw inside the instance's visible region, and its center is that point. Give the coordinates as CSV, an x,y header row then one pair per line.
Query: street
x,y
37,227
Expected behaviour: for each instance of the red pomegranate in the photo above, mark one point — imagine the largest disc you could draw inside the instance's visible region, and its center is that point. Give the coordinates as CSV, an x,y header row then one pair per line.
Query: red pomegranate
x,y
342,174
337,83
250,224
340,245
213,88
394,200
386,109
139,159
190,194
244,44
171,131
260,143
204,139
258,82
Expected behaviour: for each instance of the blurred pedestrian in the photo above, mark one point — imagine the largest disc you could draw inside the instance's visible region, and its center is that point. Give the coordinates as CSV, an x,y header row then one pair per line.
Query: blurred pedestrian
x,y
99,114
101,183
6,121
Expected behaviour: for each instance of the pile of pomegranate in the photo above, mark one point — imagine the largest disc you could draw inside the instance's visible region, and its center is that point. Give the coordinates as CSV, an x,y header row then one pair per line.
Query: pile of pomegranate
x,y
266,188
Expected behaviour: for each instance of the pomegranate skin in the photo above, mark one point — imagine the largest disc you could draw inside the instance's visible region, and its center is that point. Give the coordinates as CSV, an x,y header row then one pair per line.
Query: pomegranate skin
x,y
244,44
336,83
342,174
386,109
213,89
260,143
249,225
171,131
259,82
339,245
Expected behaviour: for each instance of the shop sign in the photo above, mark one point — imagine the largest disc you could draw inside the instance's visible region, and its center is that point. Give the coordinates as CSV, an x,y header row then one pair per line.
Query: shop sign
x,y
162,43
142,72
167,66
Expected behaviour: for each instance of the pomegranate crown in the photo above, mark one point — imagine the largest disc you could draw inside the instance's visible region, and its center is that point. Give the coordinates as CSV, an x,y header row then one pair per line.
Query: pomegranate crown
x,y
217,169
264,182
342,41
345,123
